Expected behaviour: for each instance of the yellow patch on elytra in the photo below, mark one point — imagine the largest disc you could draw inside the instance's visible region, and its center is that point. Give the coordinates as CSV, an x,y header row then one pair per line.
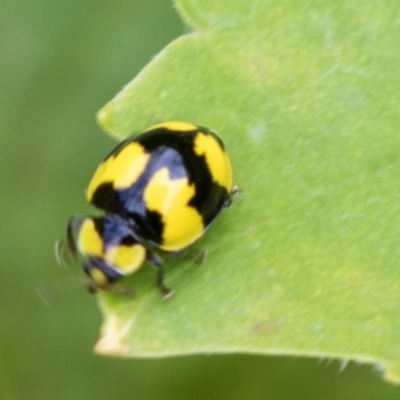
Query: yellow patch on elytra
x,y
217,160
169,197
174,126
89,240
127,259
122,169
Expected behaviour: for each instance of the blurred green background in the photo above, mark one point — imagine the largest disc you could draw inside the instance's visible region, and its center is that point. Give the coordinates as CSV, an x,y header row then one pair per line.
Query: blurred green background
x,y
60,62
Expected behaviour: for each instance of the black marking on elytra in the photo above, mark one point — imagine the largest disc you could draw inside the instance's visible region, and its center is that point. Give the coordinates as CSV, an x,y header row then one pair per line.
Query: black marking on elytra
x,y
174,150
99,225
128,241
151,228
106,198
209,206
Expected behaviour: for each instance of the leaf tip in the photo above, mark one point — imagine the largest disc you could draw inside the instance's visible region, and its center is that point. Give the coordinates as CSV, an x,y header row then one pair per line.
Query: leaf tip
x,y
391,374
103,117
111,339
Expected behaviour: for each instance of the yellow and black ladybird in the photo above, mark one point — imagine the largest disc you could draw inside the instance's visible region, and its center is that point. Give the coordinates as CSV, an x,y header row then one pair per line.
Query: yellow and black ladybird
x,y
163,188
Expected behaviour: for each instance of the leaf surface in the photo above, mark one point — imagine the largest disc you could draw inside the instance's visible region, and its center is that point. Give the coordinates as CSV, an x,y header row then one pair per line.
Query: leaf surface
x,y
306,260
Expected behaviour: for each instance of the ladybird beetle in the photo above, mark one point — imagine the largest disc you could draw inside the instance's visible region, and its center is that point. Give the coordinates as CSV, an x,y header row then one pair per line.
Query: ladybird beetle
x,y
162,188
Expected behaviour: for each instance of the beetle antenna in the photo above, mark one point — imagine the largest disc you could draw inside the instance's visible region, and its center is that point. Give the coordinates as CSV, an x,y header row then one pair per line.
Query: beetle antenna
x,y
62,256
49,292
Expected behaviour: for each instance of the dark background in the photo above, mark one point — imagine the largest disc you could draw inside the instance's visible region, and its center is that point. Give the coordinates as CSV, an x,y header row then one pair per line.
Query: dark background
x,y
60,62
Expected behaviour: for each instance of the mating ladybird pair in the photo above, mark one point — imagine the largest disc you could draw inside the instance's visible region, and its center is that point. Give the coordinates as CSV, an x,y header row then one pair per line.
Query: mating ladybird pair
x,y
162,188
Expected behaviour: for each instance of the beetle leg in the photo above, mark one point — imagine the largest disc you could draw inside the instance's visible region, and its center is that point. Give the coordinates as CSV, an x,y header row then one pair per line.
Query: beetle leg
x,y
228,199
192,254
157,263
91,285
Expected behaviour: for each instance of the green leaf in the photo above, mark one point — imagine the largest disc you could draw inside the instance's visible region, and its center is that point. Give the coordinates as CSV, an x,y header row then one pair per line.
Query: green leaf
x,y
307,260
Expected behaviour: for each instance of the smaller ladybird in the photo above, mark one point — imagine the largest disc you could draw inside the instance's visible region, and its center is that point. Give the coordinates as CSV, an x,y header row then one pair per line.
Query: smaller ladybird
x,y
162,189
